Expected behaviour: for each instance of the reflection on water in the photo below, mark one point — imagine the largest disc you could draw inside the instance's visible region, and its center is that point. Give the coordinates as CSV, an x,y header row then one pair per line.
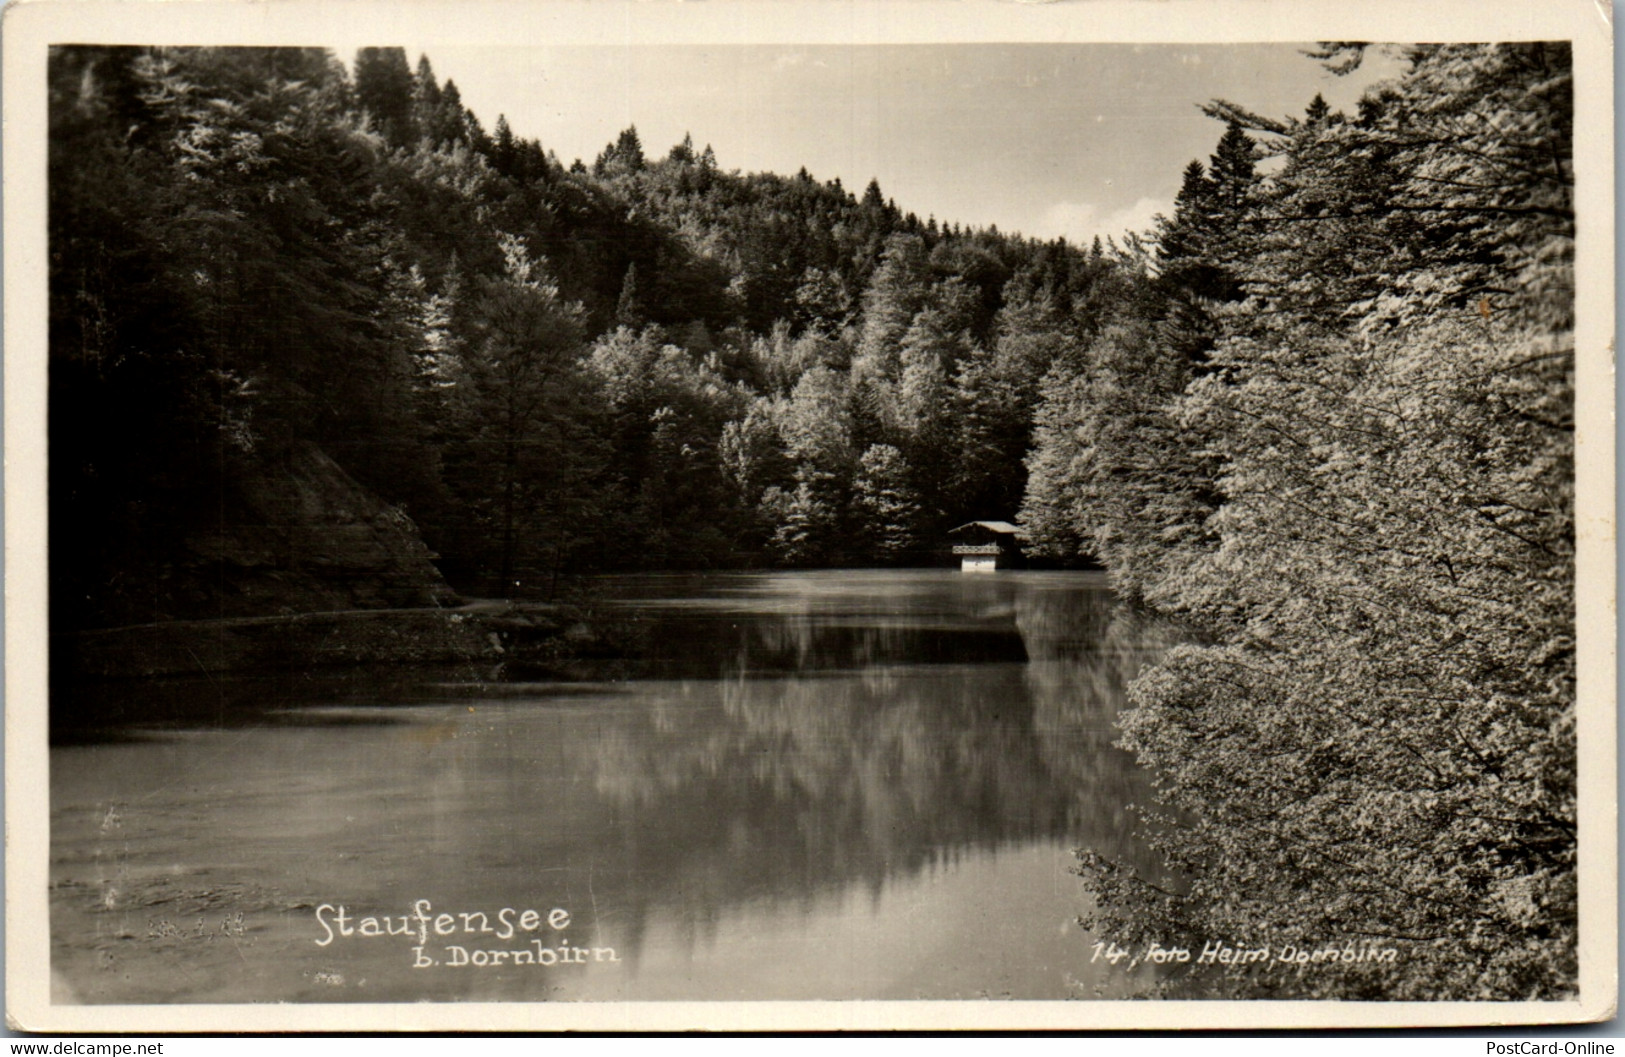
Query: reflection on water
x,y
816,785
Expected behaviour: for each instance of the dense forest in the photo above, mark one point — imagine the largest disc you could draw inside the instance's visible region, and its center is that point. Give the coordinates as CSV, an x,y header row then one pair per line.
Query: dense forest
x,y
1340,442
1322,415
646,363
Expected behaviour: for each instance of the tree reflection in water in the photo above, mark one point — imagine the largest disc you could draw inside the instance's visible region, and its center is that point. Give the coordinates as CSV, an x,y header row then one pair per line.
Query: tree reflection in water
x,y
854,737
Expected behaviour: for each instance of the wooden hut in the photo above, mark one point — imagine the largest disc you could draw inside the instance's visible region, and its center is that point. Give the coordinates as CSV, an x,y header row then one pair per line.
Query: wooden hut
x,y
984,546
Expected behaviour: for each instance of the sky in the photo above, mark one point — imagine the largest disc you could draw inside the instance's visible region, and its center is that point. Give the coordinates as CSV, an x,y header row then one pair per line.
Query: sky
x,y
1048,140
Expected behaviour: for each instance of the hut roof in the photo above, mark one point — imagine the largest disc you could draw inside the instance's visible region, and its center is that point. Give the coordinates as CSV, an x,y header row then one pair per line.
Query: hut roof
x,y
994,526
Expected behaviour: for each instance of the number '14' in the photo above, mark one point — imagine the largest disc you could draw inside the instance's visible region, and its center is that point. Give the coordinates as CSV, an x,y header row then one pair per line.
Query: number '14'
x,y
1112,953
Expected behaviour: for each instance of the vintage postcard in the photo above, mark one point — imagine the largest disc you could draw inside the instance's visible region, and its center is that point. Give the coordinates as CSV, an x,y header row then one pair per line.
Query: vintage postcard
x,y
808,515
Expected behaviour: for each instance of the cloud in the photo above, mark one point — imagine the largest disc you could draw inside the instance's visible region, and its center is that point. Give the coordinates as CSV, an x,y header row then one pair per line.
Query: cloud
x,y
1080,222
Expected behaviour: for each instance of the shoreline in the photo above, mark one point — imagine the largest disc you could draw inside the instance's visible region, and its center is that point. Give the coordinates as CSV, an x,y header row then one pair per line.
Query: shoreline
x,y
492,632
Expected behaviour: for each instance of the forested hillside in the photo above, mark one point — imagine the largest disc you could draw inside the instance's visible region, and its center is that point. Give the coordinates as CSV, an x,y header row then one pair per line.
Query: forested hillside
x,y
1339,439
652,364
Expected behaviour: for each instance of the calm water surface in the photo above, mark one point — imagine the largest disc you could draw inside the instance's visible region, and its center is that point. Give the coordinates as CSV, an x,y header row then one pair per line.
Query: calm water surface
x,y
816,785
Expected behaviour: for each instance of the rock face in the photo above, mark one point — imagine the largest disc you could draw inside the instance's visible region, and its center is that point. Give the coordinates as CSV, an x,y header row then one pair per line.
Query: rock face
x,y
292,565
301,534
269,535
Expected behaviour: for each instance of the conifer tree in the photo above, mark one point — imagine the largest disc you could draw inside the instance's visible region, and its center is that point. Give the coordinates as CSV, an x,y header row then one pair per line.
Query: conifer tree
x,y
385,89
889,516
525,448
628,312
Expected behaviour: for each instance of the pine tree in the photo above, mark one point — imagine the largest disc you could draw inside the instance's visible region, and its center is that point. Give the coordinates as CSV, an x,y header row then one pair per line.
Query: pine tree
x,y
887,506
625,155
806,519
1055,487
630,149
628,311
455,120
896,292
524,447
1318,111
683,153
1204,248
1232,173
385,89
504,152
873,201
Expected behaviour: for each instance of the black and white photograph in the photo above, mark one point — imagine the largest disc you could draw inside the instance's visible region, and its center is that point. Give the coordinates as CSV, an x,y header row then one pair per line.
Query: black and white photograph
x,y
809,515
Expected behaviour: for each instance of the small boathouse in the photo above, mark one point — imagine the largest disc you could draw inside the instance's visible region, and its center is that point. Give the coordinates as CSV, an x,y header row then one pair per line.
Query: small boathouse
x,y
984,546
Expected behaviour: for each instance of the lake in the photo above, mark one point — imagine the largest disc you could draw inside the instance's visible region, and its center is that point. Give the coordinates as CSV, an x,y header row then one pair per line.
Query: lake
x,y
812,785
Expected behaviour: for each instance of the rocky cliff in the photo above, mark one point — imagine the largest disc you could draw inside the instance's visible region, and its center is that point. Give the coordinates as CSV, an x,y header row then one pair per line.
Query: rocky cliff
x,y
274,534
303,535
